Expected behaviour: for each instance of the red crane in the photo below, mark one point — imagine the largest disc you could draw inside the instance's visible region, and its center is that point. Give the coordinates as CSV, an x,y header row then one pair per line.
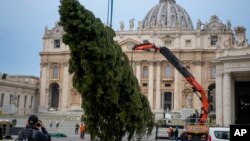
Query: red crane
x,y
186,74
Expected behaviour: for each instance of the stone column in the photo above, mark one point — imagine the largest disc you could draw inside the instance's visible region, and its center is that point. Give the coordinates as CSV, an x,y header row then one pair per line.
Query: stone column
x,y
197,74
177,87
158,86
43,103
177,42
233,101
227,99
138,72
198,40
65,88
218,95
133,66
151,85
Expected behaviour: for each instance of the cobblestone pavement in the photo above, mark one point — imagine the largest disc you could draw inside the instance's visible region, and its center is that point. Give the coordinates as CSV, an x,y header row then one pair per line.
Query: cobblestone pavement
x,y
67,127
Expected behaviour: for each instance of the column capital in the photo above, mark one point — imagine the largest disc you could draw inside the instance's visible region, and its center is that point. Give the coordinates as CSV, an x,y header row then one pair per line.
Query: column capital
x,y
43,64
47,90
226,73
152,62
158,62
65,64
198,62
137,62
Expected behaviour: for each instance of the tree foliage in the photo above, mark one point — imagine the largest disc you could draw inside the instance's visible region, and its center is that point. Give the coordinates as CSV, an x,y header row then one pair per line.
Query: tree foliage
x,y
102,75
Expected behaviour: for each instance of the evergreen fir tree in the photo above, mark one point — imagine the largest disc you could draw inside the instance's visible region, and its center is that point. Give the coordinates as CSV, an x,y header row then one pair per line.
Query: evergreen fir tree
x,y
110,92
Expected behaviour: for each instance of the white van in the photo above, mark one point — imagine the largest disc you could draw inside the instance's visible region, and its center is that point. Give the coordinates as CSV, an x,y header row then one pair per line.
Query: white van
x,y
219,134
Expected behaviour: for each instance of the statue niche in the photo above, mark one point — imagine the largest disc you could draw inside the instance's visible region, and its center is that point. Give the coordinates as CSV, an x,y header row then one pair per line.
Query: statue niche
x,y
240,33
75,97
187,99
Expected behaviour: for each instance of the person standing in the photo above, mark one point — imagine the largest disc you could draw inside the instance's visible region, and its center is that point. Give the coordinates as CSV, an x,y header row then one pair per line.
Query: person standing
x,y
51,123
76,128
170,133
82,130
14,121
176,133
57,123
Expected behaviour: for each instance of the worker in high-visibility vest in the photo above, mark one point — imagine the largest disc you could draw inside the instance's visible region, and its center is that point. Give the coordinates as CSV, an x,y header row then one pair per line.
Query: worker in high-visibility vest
x,y
82,130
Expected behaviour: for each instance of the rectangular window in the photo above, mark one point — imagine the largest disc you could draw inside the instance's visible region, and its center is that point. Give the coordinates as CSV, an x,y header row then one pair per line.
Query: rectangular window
x,y
18,100
188,43
167,85
2,100
145,84
25,102
56,43
55,72
214,40
168,72
10,100
167,103
145,41
168,43
145,72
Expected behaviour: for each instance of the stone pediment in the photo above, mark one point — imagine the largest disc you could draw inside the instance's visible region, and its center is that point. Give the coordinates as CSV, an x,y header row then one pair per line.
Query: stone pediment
x,y
129,40
55,32
168,36
128,44
216,25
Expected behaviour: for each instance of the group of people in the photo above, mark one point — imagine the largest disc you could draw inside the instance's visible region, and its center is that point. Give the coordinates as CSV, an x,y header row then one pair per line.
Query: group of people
x,y
174,134
51,124
81,128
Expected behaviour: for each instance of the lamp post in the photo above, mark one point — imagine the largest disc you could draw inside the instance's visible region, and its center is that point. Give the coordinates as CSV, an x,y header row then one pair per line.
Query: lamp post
x,y
110,13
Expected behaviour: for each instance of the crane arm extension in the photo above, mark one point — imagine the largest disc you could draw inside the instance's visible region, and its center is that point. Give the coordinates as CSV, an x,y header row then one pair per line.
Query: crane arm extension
x,y
190,78
187,75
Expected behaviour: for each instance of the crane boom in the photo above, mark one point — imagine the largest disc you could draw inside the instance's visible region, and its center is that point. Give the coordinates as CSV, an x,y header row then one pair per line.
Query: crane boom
x,y
186,74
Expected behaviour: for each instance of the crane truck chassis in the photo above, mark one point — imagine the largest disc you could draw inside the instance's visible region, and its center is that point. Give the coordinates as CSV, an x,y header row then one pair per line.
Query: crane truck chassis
x,y
198,129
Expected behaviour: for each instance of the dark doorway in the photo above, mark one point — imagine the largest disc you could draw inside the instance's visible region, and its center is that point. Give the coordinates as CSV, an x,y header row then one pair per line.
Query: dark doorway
x,y
242,102
167,101
211,98
54,96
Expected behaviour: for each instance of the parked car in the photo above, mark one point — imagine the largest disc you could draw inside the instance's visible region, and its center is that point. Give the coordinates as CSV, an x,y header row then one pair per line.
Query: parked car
x,y
219,134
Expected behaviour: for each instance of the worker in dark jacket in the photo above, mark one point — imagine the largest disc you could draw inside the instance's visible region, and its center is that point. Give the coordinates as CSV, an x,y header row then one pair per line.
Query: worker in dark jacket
x,y
31,131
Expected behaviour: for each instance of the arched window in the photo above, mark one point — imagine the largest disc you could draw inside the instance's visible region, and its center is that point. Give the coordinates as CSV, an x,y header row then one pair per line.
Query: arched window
x,y
212,98
55,72
213,72
54,96
145,72
168,71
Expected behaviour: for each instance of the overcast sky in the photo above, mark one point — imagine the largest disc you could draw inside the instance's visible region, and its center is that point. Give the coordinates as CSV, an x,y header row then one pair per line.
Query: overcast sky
x,y
22,23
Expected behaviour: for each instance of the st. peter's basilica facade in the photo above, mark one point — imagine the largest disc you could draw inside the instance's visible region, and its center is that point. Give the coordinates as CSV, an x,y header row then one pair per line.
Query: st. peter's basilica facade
x,y
216,54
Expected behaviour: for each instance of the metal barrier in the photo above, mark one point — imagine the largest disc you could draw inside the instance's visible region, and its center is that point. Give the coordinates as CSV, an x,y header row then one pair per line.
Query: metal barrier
x,y
165,127
5,129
